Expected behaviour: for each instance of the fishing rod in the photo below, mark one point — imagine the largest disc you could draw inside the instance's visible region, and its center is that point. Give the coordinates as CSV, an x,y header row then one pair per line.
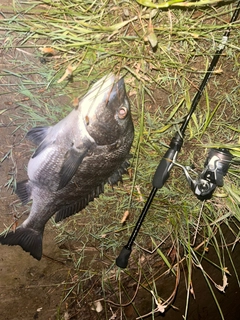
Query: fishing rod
x,y
216,165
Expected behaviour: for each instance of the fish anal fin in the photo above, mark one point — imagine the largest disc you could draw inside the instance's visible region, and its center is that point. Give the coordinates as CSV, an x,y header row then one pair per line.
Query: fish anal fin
x,y
73,159
29,239
37,134
23,191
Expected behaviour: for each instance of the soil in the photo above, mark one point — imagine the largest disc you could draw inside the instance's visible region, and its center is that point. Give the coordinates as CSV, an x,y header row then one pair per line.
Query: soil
x,y
29,290
34,290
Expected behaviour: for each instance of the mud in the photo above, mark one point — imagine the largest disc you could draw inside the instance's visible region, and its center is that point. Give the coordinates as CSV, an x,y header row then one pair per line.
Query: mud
x,y
29,290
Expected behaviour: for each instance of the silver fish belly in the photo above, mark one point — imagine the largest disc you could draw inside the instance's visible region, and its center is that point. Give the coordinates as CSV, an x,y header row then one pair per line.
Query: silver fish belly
x,y
73,160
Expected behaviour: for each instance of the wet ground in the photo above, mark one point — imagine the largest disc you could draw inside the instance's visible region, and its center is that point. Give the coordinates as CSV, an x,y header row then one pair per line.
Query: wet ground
x,y
29,289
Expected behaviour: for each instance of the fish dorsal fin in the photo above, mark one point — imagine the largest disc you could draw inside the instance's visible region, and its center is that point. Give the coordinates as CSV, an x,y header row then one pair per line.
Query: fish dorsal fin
x,y
23,191
117,175
37,134
71,209
73,159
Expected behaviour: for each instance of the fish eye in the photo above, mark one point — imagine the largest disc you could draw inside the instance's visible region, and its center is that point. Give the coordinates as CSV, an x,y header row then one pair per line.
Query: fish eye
x,y
122,112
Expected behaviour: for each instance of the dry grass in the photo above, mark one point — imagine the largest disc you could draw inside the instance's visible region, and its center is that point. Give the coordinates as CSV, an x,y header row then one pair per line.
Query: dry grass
x,y
164,55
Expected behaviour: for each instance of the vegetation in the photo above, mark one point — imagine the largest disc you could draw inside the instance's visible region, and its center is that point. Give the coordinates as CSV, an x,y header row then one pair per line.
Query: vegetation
x,y
163,50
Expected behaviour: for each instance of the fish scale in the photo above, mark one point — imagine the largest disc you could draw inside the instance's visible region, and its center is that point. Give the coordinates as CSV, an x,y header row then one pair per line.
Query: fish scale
x,y
73,161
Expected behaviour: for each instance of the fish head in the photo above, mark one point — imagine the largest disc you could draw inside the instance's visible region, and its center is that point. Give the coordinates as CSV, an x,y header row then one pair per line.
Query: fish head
x,y
106,110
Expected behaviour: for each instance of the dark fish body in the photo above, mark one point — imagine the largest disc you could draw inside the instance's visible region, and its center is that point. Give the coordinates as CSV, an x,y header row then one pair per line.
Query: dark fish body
x,y
73,161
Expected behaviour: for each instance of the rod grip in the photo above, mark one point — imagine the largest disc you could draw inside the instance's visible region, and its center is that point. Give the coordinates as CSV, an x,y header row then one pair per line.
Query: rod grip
x,y
122,259
163,170
162,173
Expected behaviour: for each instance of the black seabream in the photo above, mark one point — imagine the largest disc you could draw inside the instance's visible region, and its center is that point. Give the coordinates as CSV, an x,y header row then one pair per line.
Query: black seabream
x,y
73,160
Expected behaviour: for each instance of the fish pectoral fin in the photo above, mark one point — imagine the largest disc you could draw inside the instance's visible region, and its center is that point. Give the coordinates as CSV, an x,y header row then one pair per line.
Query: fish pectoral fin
x,y
37,134
23,191
29,239
73,159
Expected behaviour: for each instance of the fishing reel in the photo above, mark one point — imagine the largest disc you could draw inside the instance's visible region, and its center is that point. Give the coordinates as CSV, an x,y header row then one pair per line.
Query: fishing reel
x,y
215,168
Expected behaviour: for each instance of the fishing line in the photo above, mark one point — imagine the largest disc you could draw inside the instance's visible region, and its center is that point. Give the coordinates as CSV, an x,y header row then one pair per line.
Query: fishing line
x,y
216,165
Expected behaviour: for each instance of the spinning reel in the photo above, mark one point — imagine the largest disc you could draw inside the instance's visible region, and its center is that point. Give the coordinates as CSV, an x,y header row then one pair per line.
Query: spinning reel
x,y
215,168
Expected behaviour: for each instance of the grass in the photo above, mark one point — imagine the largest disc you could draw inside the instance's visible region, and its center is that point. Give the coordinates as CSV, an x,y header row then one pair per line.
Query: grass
x,y
164,55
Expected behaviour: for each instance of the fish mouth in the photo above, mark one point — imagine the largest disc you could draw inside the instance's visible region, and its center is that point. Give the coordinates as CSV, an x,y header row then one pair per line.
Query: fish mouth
x,y
117,90
104,110
103,91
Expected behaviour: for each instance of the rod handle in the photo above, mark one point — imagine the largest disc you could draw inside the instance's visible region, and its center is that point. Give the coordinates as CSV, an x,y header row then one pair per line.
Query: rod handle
x,y
122,259
163,170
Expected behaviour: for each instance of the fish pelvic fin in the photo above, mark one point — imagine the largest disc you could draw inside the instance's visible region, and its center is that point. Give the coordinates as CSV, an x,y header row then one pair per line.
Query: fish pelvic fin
x,y
37,134
23,191
29,239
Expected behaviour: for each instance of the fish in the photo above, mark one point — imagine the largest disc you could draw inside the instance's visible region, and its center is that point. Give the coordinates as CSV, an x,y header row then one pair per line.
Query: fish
x,y
73,161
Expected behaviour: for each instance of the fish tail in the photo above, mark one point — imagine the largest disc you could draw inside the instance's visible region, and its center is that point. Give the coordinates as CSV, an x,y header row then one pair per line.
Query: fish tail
x,y
29,239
